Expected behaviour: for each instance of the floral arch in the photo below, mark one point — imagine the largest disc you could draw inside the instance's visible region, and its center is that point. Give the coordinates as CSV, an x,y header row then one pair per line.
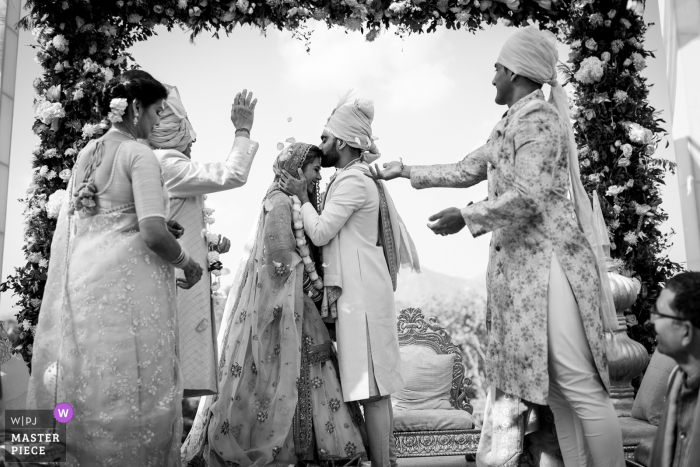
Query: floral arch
x,y
84,43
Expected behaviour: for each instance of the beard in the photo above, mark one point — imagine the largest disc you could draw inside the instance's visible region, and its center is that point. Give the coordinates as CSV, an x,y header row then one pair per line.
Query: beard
x,y
330,158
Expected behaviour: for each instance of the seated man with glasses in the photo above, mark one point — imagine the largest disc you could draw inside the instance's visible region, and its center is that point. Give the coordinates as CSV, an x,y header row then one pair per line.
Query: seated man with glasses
x,y
676,319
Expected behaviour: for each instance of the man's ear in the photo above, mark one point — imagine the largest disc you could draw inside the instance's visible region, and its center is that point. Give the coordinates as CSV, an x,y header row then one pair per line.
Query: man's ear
x,y
340,144
690,333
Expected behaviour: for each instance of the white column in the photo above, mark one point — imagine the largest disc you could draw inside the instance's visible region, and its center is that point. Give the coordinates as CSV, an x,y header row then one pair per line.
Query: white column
x,y
9,39
680,24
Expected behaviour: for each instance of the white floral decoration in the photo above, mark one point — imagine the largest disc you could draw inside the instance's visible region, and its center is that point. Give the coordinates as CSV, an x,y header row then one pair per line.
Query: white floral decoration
x,y
591,71
117,108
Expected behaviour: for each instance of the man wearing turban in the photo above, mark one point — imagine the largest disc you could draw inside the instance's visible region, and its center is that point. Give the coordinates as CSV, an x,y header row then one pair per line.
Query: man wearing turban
x,y
364,245
549,300
188,182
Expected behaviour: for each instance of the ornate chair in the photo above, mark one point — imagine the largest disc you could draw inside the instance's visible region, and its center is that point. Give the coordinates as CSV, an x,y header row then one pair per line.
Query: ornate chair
x,y
426,433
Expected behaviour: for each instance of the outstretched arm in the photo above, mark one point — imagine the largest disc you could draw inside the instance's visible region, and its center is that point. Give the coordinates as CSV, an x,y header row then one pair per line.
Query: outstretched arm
x,y
185,177
469,171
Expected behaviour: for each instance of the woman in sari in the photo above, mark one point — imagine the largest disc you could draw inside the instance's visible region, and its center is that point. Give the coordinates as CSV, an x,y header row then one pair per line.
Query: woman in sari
x,y
107,331
280,399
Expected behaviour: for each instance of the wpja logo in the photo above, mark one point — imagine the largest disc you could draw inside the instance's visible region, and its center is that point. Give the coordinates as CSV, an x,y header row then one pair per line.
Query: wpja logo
x,y
33,436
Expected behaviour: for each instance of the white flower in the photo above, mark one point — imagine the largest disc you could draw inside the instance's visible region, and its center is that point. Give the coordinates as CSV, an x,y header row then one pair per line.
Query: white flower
x,y
26,325
611,14
215,286
638,61
576,44
625,23
117,106
65,174
49,153
60,43
51,175
212,238
208,211
44,170
591,44
595,178
108,73
43,263
58,68
596,19
70,152
90,130
614,190
617,208
34,257
208,220
640,135
605,56
626,150
216,272
134,18
642,209
77,94
631,238
35,302
213,257
615,224
90,67
624,162
398,7
47,111
616,45
591,71
630,183
620,96
182,4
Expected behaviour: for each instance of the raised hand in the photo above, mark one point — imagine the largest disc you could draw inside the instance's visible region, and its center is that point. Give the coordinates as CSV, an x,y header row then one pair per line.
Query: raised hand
x,y
449,221
175,229
391,171
243,110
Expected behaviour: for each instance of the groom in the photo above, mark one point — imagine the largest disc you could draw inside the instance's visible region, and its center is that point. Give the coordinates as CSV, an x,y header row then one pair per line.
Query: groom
x,y
546,343
359,271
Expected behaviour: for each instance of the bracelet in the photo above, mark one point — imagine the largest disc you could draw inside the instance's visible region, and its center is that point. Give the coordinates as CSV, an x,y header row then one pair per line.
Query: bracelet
x,y
182,260
243,130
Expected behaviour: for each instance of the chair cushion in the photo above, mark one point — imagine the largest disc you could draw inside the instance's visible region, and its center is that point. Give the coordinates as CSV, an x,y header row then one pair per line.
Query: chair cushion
x,y
432,420
428,378
642,453
634,431
651,397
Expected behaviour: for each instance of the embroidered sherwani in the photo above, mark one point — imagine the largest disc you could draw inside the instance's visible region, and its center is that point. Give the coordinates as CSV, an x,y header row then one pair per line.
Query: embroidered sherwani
x,y
354,261
187,181
531,219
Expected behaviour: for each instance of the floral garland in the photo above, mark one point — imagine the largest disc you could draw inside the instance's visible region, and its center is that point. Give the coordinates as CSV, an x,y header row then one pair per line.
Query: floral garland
x,y
304,251
618,132
213,257
82,45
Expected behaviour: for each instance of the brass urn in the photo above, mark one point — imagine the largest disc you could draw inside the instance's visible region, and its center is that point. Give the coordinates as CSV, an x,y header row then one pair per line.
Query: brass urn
x,y
626,358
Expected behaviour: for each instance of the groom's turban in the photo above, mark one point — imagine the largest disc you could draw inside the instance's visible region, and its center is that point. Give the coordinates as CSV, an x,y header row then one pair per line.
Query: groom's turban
x,y
531,53
174,131
352,122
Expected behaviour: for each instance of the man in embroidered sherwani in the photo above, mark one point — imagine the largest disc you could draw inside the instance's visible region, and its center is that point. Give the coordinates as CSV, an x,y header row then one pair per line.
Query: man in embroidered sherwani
x,y
188,182
360,261
546,343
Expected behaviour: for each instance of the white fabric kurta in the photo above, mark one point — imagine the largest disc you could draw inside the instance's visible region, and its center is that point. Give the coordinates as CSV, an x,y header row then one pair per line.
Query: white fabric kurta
x,y
187,181
348,231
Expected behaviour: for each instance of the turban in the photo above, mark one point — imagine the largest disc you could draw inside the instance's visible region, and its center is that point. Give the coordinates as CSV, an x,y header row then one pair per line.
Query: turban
x,y
351,121
532,53
174,131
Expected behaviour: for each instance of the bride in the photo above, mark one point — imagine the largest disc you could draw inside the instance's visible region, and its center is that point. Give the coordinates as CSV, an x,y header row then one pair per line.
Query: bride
x,y
280,399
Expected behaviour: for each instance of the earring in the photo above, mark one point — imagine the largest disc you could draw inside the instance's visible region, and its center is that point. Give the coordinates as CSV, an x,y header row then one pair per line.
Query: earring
x,y
136,120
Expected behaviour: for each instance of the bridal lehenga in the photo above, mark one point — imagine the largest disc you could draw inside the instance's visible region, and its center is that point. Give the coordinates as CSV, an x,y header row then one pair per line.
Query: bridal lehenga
x,y
280,399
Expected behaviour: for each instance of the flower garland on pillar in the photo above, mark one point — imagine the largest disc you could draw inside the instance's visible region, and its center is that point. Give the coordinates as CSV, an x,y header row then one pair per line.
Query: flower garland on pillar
x,y
213,257
618,132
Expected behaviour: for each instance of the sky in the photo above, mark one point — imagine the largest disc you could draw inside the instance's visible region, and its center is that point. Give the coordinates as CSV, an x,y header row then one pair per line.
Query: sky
x,y
434,103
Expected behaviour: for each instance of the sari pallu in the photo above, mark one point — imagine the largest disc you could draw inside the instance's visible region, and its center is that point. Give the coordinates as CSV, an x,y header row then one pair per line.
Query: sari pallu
x,y
106,343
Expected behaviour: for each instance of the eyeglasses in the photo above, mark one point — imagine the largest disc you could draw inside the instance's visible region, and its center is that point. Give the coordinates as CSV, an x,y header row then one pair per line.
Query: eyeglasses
x,y
662,315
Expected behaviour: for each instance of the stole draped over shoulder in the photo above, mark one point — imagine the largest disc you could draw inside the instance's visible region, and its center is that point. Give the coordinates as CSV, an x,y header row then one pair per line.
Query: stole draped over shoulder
x,y
107,332
279,398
